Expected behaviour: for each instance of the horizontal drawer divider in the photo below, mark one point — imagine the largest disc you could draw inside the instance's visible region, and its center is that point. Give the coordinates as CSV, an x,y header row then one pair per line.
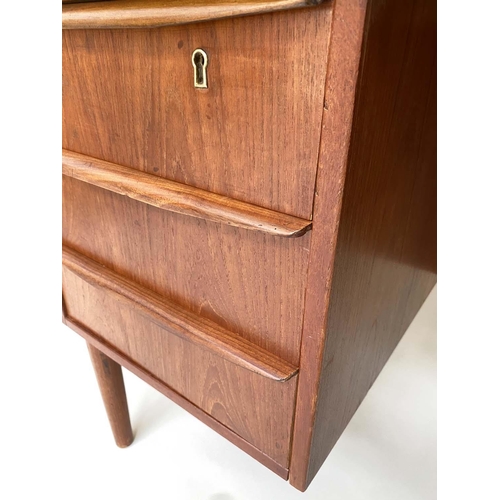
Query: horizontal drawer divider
x,y
179,321
180,198
155,13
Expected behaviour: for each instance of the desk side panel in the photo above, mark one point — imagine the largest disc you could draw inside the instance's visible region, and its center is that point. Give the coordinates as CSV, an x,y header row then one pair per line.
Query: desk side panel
x,y
385,260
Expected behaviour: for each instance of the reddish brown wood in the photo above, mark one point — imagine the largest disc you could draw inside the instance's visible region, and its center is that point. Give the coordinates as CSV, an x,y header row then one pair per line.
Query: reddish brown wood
x,y
324,114
180,198
380,261
81,1
154,13
110,379
129,98
257,408
251,137
132,366
345,43
224,274
188,326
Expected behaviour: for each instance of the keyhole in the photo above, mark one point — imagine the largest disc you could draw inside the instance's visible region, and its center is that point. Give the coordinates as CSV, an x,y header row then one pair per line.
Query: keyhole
x,y
200,61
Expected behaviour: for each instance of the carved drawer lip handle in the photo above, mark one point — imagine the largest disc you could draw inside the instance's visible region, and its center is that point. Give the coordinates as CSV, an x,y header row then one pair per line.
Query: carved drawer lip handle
x,y
156,13
180,198
179,321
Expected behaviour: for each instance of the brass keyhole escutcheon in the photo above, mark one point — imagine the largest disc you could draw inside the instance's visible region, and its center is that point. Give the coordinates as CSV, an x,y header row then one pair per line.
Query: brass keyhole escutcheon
x,y
200,62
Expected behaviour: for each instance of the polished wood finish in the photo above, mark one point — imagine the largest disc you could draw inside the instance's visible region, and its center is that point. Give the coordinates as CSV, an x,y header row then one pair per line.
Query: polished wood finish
x,y
83,1
177,398
252,136
257,408
129,98
110,379
80,1
156,13
345,44
324,114
245,281
201,332
380,262
179,198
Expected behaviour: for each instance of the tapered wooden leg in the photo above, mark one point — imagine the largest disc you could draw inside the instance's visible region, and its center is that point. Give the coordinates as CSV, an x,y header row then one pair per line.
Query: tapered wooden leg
x,y
110,379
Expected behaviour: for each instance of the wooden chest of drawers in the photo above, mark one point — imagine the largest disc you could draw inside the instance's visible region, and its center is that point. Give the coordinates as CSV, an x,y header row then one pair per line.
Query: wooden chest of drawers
x,y
249,206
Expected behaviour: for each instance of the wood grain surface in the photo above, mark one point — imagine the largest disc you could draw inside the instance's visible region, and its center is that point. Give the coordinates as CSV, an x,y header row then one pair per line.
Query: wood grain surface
x,y
324,114
84,1
385,250
179,198
110,379
155,13
345,45
177,398
258,409
245,281
129,98
188,326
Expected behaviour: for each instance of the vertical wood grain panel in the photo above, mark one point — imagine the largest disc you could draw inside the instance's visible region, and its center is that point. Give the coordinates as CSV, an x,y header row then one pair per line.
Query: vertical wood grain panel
x,y
384,264
258,409
342,73
128,98
249,283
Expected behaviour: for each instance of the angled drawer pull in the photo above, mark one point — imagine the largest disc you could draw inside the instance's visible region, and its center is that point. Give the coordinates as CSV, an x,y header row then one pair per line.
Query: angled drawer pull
x,y
177,320
180,198
154,13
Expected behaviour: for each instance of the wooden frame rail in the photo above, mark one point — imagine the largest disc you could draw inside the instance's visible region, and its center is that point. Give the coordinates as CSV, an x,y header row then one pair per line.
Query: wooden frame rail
x,y
155,13
180,198
178,321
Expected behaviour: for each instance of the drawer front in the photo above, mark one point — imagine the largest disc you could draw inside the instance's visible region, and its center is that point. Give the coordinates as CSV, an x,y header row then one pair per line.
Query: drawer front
x,y
256,407
253,135
246,281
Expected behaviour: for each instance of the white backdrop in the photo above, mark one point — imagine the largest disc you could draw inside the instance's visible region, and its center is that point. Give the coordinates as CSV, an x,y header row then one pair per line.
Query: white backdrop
x,y
386,453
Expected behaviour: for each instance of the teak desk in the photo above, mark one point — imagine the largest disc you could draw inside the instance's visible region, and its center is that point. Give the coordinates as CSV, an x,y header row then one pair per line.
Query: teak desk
x,y
249,206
